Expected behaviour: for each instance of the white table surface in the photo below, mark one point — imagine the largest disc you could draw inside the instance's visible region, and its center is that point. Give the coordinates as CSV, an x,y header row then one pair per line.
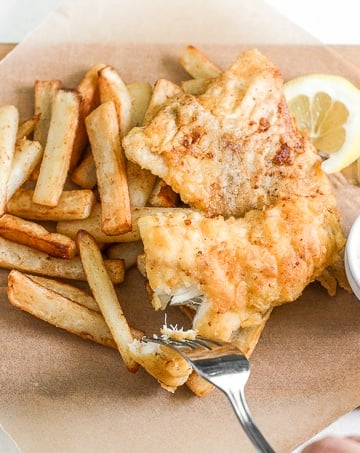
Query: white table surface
x,y
330,21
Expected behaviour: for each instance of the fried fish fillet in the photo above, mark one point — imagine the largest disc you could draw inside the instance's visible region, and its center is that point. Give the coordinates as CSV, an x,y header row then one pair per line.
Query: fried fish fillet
x,y
231,149
243,267
264,222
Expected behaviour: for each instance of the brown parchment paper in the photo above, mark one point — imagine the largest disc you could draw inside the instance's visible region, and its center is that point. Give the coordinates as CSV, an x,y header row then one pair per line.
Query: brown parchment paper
x,y
60,393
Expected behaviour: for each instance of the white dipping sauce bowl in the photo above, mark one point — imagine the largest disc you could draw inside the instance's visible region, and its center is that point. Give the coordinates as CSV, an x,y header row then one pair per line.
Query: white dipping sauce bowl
x,y
352,257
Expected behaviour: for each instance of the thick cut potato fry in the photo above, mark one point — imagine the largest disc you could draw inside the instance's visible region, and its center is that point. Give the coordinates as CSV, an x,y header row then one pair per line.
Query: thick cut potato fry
x,y
140,95
105,295
93,224
26,293
44,93
23,258
197,64
59,145
163,91
140,184
127,251
103,131
73,204
196,86
199,385
112,88
61,305
9,121
26,128
69,291
36,236
88,89
162,195
27,157
84,174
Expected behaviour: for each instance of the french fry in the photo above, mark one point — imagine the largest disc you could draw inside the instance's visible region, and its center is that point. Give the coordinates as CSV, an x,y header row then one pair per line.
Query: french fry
x,y
141,266
104,293
26,128
199,385
162,195
112,88
23,258
9,120
140,184
44,93
73,204
248,337
140,95
59,145
88,90
69,291
84,174
103,131
27,157
163,91
196,86
29,295
127,251
36,236
93,224
197,64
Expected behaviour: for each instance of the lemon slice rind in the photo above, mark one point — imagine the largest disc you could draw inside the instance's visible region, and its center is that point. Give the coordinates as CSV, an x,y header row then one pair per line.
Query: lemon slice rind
x,y
339,89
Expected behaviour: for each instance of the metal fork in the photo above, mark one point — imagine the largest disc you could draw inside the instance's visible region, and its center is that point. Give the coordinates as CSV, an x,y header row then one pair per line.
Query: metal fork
x,y
227,368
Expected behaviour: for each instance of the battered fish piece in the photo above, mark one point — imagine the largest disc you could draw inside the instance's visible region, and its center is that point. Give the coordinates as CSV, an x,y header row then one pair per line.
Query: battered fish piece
x,y
243,267
231,149
264,222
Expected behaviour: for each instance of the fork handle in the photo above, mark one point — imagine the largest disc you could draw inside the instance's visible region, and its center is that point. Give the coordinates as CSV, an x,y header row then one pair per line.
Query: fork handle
x,y
238,402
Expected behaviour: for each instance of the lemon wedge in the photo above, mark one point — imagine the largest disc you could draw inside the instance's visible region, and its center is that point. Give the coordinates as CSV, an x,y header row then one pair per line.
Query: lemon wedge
x,y
327,107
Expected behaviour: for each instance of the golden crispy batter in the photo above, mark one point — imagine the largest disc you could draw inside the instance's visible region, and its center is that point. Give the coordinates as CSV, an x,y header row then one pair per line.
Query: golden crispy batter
x,y
265,223
233,148
243,266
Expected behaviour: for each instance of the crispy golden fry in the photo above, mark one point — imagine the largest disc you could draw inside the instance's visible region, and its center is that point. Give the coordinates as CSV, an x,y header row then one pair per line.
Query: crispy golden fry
x,y
196,86
103,131
9,120
88,89
140,95
197,64
199,385
93,224
44,93
162,195
127,251
23,258
163,91
69,291
27,157
112,88
141,266
29,295
26,128
59,145
73,204
105,295
140,184
84,174
164,364
44,299
248,337
36,236
140,181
